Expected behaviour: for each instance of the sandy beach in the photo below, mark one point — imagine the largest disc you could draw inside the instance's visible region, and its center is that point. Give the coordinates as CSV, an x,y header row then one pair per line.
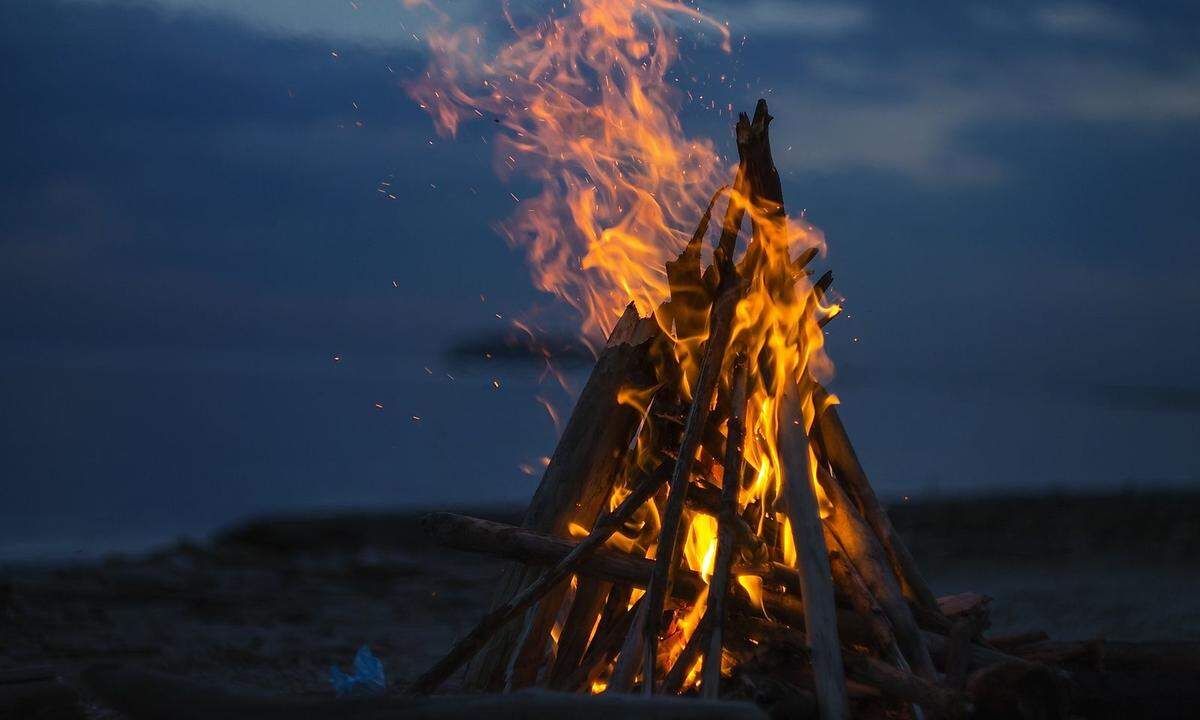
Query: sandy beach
x,y
272,603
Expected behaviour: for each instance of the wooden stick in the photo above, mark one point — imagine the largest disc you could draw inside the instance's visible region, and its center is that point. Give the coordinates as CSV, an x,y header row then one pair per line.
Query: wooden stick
x,y
579,478
864,552
727,523
602,651
590,597
854,589
706,386
628,659
499,617
752,144
525,546
837,450
812,557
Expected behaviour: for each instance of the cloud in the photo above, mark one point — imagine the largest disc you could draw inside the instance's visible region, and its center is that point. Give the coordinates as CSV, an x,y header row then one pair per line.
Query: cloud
x,y
915,119
380,23
1085,19
804,19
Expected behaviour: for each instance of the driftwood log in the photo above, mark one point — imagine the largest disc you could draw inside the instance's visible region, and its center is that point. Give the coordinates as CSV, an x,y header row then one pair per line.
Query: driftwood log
x,y
812,557
574,487
865,554
515,543
839,453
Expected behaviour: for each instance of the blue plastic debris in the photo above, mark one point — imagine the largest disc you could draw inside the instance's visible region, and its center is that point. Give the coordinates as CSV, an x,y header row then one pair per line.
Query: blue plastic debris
x,y
366,677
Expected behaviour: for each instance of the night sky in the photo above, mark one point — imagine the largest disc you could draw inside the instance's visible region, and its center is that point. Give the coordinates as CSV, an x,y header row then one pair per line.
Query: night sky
x,y
191,231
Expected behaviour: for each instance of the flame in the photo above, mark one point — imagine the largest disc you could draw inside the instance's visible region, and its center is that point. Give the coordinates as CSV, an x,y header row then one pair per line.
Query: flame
x,y
587,111
753,586
700,549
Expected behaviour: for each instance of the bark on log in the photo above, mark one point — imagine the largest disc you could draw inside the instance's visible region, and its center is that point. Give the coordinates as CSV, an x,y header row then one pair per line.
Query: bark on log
x,y
837,450
581,471
816,582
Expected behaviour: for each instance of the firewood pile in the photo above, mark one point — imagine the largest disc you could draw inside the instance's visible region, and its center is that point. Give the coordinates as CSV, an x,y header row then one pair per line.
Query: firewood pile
x,y
804,599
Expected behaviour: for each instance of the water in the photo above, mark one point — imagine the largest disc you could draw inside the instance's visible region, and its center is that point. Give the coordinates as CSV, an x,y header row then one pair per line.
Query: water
x,y
118,452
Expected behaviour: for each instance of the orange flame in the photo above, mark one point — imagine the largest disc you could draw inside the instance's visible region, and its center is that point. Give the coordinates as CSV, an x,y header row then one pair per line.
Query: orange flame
x,y
588,112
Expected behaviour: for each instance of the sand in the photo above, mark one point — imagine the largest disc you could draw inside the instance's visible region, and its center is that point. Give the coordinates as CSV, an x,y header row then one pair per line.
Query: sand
x,y
272,603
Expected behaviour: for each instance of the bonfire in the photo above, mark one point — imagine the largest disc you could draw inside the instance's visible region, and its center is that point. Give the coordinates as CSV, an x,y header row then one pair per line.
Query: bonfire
x,y
704,526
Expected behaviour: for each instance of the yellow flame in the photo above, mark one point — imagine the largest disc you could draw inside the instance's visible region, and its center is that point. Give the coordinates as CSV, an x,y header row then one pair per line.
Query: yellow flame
x,y
700,548
753,586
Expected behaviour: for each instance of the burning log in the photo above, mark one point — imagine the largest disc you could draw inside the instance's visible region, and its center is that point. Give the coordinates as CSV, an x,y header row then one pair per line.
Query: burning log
x,y
728,522
710,369
576,483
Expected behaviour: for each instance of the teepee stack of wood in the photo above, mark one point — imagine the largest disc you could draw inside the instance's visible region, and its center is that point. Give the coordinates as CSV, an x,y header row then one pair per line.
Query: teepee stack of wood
x,y
846,625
